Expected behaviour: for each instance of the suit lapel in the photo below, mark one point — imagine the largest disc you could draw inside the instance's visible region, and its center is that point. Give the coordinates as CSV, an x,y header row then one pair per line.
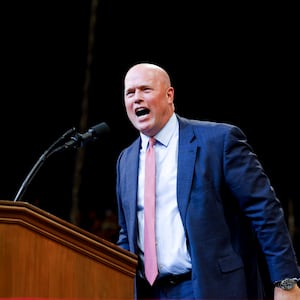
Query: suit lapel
x,y
187,150
130,199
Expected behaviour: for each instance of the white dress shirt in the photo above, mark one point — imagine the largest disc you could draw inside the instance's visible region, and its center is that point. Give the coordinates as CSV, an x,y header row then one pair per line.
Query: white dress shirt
x,y
172,254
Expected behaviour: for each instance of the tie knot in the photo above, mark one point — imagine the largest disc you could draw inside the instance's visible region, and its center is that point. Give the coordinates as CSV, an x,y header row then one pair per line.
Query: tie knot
x,y
152,141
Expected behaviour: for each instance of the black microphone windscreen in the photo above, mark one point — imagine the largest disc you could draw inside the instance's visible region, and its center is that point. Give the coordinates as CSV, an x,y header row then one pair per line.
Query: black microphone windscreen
x,y
100,129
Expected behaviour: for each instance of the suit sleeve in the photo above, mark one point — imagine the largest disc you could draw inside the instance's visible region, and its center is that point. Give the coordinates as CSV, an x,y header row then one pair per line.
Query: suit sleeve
x,y
249,183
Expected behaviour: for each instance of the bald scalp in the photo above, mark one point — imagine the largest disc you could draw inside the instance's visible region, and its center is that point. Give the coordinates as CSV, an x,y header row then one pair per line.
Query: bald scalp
x,y
159,71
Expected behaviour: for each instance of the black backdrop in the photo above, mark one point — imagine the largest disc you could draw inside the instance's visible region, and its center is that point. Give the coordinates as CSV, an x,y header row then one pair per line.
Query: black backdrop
x,y
237,64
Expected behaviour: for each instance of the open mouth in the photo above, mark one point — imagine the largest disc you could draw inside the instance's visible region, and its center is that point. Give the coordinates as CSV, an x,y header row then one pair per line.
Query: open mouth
x,y
142,112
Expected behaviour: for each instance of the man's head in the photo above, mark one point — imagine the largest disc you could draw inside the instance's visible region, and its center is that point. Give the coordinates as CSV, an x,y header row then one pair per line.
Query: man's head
x,y
148,97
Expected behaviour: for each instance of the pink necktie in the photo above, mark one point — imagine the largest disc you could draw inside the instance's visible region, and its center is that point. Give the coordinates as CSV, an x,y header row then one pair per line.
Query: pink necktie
x,y
150,259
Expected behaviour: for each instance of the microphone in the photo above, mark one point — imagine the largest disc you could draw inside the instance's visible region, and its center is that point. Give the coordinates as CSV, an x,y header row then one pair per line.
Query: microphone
x,y
77,140
81,139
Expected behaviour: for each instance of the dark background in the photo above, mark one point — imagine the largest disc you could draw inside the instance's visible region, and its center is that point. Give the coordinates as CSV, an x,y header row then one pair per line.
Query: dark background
x,y
233,63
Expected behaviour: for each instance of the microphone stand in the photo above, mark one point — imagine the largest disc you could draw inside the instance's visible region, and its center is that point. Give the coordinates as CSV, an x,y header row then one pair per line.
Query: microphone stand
x,y
51,150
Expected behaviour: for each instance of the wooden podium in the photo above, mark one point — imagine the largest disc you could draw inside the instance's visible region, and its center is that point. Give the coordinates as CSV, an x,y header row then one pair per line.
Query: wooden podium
x,y
45,257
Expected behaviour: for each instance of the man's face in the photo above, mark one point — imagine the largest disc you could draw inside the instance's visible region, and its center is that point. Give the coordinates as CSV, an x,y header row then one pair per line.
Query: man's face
x,y
148,99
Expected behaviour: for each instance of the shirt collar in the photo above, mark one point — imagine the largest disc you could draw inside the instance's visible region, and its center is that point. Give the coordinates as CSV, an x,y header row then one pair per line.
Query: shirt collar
x,y
165,134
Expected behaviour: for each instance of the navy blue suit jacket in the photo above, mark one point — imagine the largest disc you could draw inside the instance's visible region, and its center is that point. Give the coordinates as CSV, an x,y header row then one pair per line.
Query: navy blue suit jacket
x,y
227,205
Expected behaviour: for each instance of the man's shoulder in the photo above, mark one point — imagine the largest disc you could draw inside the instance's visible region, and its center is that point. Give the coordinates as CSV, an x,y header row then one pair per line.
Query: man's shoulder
x,y
133,147
204,124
